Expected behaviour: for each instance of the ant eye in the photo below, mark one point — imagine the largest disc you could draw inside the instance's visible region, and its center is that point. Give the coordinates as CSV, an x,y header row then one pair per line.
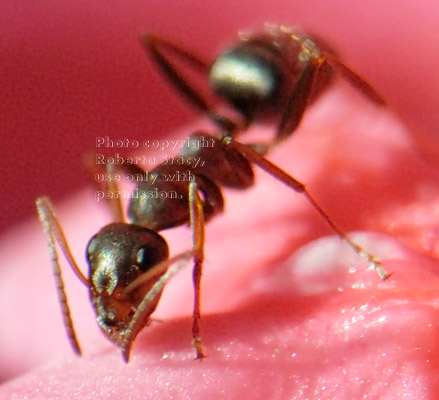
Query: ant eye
x,y
147,257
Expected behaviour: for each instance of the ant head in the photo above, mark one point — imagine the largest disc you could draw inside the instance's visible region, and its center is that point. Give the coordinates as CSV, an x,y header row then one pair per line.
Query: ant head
x,y
119,253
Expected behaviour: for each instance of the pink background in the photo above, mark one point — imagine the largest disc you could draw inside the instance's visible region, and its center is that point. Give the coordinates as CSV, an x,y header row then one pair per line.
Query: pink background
x,y
73,70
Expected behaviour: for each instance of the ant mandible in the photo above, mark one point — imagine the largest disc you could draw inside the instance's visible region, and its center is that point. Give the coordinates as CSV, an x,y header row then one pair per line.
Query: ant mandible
x,y
273,75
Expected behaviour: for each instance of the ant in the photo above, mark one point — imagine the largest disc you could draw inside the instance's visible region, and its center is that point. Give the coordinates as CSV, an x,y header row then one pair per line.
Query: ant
x,y
273,75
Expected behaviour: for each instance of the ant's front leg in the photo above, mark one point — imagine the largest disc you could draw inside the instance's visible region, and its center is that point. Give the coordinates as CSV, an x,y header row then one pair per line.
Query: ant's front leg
x,y
52,230
161,273
164,274
104,177
111,185
254,157
299,98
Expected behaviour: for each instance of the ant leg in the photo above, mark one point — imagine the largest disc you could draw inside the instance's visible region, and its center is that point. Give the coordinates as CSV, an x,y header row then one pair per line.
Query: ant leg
x,y
153,43
254,157
296,105
115,201
355,80
157,47
197,228
144,308
111,185
298,100
52,229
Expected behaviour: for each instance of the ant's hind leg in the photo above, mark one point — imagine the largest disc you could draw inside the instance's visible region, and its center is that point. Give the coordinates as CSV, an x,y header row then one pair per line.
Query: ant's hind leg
x,y
52,229
296,105
355,80
254,157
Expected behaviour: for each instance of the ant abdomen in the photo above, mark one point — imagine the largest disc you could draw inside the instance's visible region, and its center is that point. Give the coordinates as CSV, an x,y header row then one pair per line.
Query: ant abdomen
x,y
258,75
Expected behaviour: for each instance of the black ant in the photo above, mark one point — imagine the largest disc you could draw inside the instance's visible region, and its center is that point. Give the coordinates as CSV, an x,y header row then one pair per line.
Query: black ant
x,y
272,75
